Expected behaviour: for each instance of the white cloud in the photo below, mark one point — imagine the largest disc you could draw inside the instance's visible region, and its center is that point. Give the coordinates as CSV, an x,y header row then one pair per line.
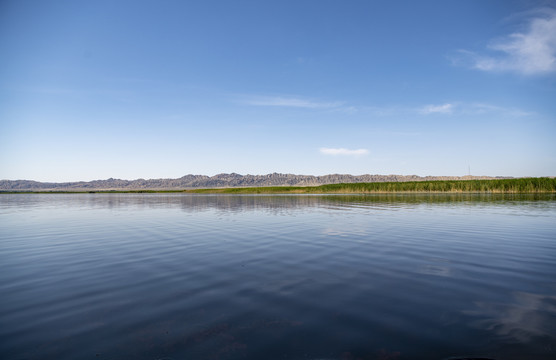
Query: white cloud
x,y
437,109
530,52
342,151
288,102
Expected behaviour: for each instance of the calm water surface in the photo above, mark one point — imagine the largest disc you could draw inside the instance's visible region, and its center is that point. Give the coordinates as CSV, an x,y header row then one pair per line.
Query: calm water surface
x,y
155,276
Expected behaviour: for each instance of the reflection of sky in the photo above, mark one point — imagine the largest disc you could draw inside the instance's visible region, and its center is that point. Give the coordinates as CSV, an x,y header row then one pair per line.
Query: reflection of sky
x,y
437,267
338,231
526,316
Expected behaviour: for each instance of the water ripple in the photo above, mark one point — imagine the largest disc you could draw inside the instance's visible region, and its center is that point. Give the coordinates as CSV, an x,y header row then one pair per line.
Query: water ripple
x,y
151,276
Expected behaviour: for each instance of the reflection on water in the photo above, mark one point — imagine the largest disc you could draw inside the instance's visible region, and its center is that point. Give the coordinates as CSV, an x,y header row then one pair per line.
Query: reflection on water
x,y
151,276
224,202
520,318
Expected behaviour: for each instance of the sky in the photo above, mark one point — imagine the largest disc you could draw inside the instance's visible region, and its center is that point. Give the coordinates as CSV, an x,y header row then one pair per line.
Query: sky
x,y
160,89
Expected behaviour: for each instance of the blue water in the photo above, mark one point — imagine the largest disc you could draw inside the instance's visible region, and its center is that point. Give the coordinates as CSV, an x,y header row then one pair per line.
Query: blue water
x,y
156,276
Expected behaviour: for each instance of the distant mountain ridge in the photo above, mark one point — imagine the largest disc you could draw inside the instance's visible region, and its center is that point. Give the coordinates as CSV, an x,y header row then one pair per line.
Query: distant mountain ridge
x,y
219,181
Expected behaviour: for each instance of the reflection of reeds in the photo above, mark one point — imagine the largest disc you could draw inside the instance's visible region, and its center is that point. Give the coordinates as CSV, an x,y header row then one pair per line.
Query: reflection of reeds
x,y
524,185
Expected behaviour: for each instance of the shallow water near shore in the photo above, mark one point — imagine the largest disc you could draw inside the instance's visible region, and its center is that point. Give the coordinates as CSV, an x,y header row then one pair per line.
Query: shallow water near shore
x,y
175,276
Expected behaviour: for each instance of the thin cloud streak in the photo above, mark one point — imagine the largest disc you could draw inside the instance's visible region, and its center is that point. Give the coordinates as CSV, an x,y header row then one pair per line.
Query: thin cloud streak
x,y
295,102
343,151
449,108
480,108
437,109
530,52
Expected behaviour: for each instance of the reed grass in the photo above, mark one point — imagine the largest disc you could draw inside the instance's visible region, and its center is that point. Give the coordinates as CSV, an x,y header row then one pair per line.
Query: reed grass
x,y
522,185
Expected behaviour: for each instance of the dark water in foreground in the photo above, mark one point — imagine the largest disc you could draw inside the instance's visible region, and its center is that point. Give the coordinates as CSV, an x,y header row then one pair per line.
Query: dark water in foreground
x,y
131,276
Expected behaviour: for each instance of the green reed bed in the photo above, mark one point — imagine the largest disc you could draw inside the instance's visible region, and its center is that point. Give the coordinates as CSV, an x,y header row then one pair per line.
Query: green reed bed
x,y
523,185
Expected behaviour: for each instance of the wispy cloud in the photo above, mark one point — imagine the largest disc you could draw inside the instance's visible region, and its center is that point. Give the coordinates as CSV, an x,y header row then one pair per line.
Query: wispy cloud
x,y
342,151
530,52
481,108
452,107
437,109
282,101
465,108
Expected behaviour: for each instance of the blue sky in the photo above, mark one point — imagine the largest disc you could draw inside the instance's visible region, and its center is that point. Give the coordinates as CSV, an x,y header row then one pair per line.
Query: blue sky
x,y
160,89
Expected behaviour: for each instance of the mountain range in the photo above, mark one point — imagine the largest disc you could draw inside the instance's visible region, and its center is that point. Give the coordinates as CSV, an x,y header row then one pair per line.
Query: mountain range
x,y
218,181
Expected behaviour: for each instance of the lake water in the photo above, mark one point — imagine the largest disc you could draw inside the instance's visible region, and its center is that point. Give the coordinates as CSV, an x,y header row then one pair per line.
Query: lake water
x,y
157,276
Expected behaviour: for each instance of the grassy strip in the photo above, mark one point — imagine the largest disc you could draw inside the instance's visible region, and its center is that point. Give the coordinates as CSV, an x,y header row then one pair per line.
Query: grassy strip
x,y
523,185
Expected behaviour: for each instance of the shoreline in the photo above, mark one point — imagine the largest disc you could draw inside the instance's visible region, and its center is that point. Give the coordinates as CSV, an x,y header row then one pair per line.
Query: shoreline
x,y
497,186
